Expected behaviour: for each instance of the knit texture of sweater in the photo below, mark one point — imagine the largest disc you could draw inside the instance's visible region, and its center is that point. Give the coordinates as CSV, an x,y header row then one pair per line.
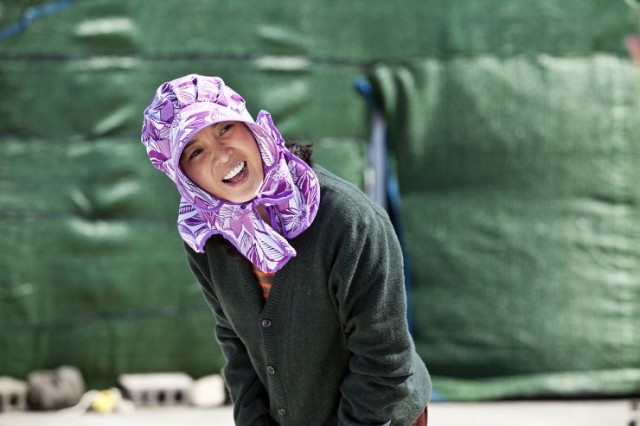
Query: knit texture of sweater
x,y
331,344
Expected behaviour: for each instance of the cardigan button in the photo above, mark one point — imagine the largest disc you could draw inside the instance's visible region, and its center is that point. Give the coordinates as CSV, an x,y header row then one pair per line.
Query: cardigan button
x,y
282,412
266,323
271,370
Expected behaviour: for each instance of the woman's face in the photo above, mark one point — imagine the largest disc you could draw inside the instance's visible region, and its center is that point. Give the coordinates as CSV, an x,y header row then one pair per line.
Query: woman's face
x,y
224,160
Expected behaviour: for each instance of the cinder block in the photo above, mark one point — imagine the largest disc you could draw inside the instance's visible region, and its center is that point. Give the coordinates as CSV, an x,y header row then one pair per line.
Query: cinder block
x,y
209,391
151,390
13,394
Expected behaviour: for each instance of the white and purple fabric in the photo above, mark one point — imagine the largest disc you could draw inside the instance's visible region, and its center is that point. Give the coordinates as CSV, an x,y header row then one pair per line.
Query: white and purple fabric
x,y
289,192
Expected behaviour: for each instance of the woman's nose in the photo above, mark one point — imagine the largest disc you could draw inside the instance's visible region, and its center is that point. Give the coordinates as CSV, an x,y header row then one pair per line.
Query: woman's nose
x,y
221,154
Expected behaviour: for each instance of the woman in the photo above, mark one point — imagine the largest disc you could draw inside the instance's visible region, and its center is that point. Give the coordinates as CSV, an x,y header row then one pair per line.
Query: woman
x,y
302,272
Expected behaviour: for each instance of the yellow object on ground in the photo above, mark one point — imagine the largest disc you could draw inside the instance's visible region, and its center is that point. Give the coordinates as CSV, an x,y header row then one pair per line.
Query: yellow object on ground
x,y
105,401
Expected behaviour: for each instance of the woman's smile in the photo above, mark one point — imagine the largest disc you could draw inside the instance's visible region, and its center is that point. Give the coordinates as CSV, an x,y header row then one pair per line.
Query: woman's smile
x,y
236,174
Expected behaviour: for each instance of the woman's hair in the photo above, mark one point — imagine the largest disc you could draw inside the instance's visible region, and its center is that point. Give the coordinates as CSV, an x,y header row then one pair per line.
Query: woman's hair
x,y
303,152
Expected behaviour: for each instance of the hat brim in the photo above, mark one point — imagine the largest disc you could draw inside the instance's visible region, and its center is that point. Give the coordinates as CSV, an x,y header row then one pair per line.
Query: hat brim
x,y
196,117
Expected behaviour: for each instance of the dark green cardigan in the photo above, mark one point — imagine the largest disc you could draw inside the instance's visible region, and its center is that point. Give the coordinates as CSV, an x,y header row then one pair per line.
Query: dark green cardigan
x,y
331,344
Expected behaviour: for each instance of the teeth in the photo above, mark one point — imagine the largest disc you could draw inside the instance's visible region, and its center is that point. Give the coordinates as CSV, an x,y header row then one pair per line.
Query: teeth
x,y
233,172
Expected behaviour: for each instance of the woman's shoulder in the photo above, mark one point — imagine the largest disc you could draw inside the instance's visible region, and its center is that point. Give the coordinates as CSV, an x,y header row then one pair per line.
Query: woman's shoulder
x,y
341,197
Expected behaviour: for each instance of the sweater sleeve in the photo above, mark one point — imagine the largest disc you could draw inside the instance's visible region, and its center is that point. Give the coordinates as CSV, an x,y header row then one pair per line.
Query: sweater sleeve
x,y
251,404
369,282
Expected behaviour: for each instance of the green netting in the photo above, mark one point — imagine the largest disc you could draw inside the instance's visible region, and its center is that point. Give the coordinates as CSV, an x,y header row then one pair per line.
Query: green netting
x,y
94,271
90,265
356,30
99,97
520,200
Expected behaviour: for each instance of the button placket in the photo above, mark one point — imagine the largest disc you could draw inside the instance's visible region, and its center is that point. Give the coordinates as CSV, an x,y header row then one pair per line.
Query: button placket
x,y
266,323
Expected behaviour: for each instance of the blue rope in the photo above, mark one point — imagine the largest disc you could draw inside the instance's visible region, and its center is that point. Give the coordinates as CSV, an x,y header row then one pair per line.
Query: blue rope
x,y
31,15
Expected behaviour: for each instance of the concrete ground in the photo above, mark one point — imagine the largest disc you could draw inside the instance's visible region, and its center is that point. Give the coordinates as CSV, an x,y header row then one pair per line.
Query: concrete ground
x,y
522,413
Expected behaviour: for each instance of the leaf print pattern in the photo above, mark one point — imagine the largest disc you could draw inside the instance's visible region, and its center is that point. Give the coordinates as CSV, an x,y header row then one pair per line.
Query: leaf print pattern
x,y
289,193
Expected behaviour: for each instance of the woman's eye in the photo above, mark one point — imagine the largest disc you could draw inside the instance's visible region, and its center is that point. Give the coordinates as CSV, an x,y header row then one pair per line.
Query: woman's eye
x,y
225,129
195,153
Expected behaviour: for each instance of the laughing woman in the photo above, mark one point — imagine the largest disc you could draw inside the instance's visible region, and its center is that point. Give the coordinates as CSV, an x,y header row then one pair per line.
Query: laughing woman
x,y
303,273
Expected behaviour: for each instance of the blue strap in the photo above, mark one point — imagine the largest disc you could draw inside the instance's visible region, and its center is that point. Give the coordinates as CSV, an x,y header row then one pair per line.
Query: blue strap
x,y
392,198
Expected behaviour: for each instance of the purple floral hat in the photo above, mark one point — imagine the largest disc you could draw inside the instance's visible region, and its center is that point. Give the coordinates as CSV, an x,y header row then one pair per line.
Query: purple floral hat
x,y
289,191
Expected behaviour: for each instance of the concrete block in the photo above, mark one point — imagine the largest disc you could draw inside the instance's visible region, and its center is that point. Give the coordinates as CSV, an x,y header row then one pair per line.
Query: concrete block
x,y
13,394
157,389
209,391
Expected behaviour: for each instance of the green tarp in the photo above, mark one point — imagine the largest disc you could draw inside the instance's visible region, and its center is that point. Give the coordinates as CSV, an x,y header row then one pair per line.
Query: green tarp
x,y
521,204
513,128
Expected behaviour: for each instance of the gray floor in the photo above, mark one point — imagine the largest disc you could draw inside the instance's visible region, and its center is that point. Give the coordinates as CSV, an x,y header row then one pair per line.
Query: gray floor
x,y
547,413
